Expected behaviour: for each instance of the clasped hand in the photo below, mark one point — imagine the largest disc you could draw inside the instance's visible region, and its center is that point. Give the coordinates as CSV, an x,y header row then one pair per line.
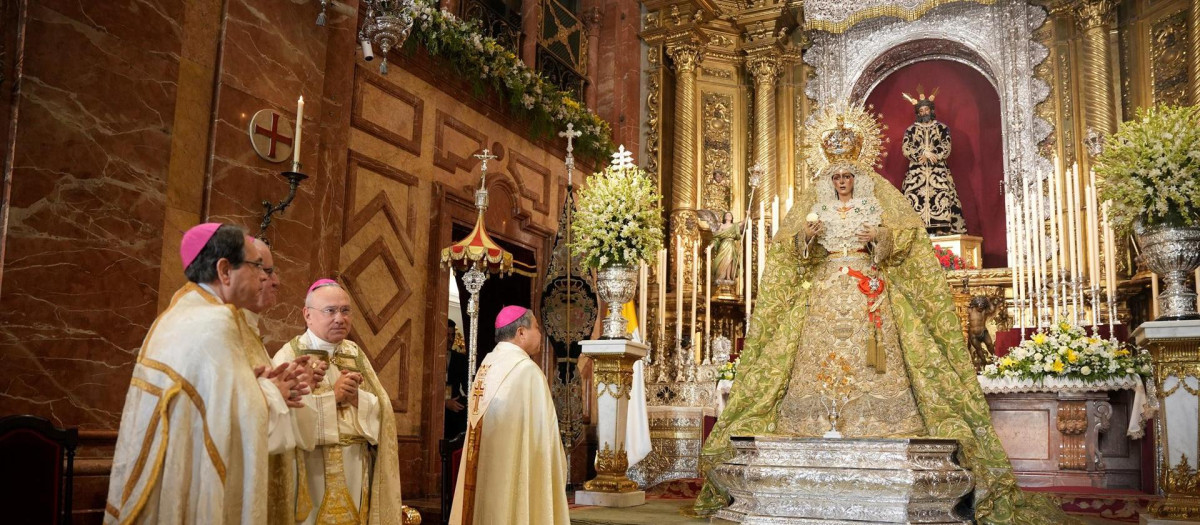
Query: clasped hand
x,y
345,389
291,378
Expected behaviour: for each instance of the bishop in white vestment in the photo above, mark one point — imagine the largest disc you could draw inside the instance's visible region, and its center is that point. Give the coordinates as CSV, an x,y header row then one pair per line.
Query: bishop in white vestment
x,y
352,475
192,445
514,469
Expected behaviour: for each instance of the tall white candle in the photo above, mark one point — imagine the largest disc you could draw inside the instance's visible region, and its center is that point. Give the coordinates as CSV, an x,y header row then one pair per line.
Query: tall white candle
x,y
299,128
1053,246
643,278
1055,206
696,345
1019,257
774,215
708,312
662,296
1110,252
679,264
762,241
1041,232
1094,214
747,267
1011,239
1072,220
1035,278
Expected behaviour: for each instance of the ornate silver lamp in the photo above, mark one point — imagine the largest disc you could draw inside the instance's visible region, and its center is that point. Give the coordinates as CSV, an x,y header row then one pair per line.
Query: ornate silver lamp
x,y
386,25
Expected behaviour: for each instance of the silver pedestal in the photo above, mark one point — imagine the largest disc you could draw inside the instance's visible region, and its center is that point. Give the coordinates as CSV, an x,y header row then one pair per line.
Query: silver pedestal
x,y
784,480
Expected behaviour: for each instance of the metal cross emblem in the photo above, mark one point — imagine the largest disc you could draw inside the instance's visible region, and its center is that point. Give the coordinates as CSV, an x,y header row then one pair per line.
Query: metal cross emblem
x,y
622,160
570,134
485,156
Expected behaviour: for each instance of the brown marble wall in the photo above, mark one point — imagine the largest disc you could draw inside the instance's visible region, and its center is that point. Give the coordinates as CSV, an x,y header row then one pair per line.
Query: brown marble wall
x,y
139,131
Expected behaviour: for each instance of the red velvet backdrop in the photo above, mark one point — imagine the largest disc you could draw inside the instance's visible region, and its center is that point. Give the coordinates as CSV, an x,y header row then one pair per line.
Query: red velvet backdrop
x,y
969,105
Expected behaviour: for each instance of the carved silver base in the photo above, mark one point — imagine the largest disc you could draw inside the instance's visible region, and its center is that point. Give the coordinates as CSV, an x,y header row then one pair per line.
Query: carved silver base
x,y
786,480
1172,253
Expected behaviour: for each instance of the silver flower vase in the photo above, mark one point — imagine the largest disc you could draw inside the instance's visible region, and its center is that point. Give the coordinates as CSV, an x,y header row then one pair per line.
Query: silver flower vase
x,y
616,286
1173,253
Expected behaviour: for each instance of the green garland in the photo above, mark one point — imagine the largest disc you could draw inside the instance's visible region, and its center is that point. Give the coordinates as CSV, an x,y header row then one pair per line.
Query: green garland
x,y
484,61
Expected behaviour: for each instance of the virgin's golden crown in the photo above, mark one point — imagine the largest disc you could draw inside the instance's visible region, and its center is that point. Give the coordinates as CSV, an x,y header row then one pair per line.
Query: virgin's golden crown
x,y
841,144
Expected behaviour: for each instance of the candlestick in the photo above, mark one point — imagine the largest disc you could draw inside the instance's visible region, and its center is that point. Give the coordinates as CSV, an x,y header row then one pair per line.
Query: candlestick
x,y
296,140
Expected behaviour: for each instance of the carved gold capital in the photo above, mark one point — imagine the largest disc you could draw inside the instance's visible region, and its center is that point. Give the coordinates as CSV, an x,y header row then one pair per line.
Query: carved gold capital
x,y
764,68
613,375
1092,14
686,55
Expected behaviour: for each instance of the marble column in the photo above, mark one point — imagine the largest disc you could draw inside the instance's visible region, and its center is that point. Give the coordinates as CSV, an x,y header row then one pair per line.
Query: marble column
x,y
765,70
612,381
685,176
1094,18
1175,349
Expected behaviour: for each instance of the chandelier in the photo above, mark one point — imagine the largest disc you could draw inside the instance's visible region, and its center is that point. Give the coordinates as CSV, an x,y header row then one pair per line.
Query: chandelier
x,y
386,25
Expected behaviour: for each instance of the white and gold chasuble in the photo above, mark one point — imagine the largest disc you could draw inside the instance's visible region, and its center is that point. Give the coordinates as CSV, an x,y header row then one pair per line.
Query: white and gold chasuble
x,y
192,445
513,466
352,474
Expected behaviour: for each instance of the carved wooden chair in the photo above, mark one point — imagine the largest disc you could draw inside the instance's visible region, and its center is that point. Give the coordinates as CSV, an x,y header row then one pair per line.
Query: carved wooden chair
x,y
37,459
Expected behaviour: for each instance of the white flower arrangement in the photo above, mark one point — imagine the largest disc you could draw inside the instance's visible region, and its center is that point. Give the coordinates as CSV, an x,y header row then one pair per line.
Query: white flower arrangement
x,y
619,221
1150,169
1067,351
728,371
527,92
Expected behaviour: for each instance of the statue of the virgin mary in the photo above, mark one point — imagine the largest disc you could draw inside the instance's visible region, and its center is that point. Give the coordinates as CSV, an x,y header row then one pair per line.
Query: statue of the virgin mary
x,y
851,278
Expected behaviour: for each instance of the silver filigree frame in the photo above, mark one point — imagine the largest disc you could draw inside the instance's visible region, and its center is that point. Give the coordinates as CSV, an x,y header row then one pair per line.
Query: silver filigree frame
x,y
996,40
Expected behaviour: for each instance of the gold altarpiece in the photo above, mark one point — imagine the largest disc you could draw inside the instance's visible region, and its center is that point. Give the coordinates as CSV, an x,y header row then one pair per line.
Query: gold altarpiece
x,y
729,85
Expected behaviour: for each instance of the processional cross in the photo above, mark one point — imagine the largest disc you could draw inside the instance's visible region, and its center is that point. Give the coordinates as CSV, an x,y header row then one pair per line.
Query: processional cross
x,y
570,134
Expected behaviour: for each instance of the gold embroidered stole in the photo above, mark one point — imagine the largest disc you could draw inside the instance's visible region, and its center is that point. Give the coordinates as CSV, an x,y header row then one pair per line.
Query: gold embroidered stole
x,y
488,381
337,505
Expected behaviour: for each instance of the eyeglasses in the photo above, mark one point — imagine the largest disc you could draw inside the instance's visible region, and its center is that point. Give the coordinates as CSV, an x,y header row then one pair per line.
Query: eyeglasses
x,y
269,271
259,265
330,311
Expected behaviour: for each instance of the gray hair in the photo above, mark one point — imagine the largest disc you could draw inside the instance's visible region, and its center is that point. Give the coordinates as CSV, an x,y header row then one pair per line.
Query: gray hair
x,y
509,331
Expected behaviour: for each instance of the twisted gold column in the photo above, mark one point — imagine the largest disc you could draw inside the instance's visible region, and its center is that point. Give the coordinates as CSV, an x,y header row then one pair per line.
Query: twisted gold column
x,y
764,69
1095,19
1194,52
684,180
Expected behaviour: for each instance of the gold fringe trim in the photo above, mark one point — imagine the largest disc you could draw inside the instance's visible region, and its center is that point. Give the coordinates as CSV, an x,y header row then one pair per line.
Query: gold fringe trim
x,y
908,15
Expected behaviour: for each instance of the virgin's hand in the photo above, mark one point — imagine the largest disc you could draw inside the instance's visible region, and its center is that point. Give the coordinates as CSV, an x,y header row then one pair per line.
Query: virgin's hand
x,y
866,233
814,229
